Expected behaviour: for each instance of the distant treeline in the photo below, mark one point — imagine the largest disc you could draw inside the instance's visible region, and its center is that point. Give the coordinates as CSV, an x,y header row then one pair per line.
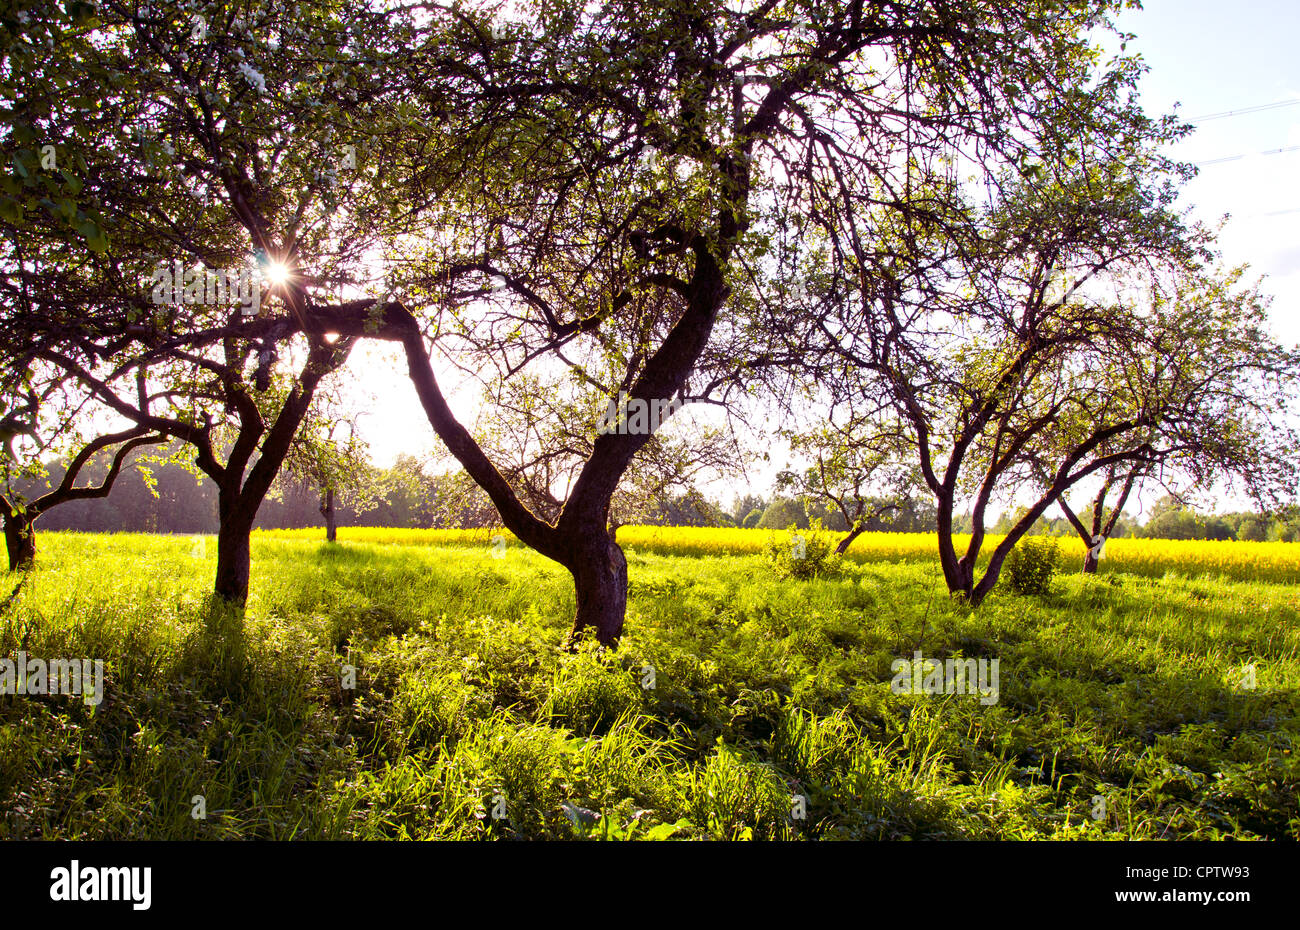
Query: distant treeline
x,y
180,502
1169,519
173,500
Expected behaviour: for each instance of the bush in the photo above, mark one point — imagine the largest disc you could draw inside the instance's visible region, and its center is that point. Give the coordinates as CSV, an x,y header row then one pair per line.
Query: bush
x,y
804,554
752,518
591,690
1032,563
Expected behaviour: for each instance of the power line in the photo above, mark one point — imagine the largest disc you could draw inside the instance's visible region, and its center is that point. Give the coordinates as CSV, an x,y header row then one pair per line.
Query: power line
x,y
1228,158
1244,110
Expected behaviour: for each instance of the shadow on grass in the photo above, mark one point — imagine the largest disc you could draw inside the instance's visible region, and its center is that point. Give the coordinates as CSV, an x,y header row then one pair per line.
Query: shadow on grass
x,y
217,654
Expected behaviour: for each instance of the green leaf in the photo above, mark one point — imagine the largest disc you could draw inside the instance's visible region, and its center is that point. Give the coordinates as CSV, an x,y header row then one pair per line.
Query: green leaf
x,y
665,830
95,237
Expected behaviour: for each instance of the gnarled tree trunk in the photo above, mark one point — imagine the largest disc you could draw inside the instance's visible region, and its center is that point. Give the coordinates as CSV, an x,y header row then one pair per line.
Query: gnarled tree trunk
x,y
239,498
847,541
327,511
958,572
599,571
992,571
20,540
234,552
20,526
578,539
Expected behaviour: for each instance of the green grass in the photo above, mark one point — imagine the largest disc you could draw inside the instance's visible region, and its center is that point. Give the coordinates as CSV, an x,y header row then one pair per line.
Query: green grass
x,y
1120,686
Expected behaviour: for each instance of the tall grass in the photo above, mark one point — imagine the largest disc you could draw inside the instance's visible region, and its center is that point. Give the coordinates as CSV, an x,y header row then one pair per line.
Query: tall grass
x,y
769,698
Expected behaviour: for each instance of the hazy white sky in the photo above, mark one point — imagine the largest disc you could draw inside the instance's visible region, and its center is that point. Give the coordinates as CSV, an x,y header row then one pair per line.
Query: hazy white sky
x,y
1212,57
1206,56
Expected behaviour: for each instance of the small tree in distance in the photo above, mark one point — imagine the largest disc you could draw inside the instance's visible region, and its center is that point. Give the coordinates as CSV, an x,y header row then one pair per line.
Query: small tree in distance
x,y
856,471
333,459
783,513
1102,520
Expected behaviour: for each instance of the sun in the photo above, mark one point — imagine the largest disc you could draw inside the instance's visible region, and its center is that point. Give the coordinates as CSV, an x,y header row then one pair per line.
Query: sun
x,y
276,273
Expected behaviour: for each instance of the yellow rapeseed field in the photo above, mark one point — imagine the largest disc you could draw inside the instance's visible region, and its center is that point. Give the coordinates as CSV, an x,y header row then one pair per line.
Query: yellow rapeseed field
x,y
1244,561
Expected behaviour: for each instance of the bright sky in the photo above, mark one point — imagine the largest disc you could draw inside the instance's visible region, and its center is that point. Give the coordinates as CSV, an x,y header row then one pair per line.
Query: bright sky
x,y
1213,57
1207,56
392,420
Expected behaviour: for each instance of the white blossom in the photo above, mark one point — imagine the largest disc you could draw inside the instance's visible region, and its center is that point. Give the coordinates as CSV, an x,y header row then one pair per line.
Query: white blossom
x,y
252,76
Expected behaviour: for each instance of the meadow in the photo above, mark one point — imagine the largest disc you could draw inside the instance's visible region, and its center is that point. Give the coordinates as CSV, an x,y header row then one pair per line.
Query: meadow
x,y
738,705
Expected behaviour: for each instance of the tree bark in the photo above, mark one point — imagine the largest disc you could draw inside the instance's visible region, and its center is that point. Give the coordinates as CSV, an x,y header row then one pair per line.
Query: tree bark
x,y
1089,560
1096,539
847,541
327,511
234,549
599,572
20,540
977,592
959,575
960,578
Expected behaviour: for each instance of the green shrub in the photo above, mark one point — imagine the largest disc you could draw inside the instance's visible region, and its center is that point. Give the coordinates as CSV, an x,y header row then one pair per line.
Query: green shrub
x,y
591,690
804,554
1031,565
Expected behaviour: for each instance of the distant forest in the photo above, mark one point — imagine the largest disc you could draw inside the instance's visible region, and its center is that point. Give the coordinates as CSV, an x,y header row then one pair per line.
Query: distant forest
x,y
167,498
